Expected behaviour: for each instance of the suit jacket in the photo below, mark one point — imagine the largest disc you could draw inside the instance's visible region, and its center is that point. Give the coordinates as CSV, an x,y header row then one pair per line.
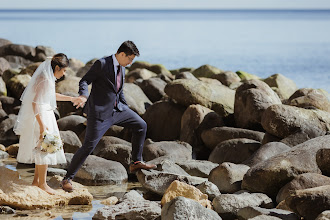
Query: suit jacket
x,y
101,101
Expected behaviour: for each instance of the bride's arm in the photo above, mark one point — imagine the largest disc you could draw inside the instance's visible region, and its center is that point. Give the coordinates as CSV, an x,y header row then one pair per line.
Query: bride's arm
x,y
60,97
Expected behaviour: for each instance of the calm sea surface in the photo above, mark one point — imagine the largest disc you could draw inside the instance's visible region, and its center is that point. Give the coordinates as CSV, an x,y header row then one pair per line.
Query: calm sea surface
x,y
293,43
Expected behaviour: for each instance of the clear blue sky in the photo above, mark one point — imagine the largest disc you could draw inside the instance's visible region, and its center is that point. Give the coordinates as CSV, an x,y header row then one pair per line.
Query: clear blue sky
x,y
165,4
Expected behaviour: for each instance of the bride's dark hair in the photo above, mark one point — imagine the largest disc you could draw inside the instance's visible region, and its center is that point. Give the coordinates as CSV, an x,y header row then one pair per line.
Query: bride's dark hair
x,y
60,60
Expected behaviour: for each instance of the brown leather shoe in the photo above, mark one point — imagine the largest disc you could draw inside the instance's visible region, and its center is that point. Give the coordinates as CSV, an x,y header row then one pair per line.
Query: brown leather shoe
x,y
66,185
141,165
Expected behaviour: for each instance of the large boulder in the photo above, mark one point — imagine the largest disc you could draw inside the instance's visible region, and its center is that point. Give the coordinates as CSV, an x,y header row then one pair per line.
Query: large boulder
x,y
176,149
283,86
265,214
324,215
216,97
207,71
185,208
227,78
216,135
228,177
158,181
133,206
17,62
323,161
4,65
30,69
191,120
302,181
153,88
160,129
83,70
21,195
135,98
71,142
210,189
183,69
75,123
284,120
265,152
7,135
252,98
185,75
4,42
9,104
42,52
93,172
75,64
143,74
228,205
156,68
309,203
24,51
17,84
234,150
271,175
200,168
310,98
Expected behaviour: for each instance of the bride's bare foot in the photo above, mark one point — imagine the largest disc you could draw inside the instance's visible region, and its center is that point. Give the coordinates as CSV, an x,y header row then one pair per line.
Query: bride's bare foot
x,y
46,188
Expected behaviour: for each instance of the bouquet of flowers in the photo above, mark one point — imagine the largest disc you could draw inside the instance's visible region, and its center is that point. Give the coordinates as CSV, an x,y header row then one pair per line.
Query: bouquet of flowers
x,y
51,143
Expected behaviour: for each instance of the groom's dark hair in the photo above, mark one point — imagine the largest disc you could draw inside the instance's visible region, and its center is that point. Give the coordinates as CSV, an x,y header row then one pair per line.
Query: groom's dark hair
x,y
129,48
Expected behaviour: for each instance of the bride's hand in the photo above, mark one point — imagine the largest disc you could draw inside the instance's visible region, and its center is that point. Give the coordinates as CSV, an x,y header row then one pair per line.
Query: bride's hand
x,y
42,130
79,101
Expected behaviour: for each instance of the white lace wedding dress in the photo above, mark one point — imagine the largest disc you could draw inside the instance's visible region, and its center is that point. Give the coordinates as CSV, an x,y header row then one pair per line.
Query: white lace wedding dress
x,y
38,99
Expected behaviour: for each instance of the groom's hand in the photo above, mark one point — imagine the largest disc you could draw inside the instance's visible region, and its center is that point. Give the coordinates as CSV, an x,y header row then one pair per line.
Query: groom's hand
x,y
79,101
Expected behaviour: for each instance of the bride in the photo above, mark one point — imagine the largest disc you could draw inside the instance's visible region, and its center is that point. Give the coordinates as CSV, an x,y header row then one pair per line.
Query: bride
x,y
37,116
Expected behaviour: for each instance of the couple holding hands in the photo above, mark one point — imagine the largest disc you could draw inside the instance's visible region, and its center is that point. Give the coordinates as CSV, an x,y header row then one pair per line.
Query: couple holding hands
x,y
104,106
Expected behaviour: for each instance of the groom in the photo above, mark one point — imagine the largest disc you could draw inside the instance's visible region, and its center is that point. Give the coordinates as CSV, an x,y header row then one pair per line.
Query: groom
x,y
105,107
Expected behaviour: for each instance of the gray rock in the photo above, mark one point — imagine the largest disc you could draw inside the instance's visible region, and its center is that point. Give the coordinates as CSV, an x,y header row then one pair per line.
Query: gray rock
x,y
324,215
30,69
309,203
310,98
167,165
265,152
207,71
17,84
98,171
4,42
42,52
7,135
200,168
271,175
135,98
270,138
251,212
216,135
71,141
183,69
4,65
76,64
83,70
177,149
234,150
323,161
185,75
3,155
138,73
55,172
216,97
228,205
283,121
119,152
283,86
9,104
75,123
17,62
210,189
25,51
184,208
228,177
302,181
158,182
252,98
153,88
132,207
156,68
227,78
160,129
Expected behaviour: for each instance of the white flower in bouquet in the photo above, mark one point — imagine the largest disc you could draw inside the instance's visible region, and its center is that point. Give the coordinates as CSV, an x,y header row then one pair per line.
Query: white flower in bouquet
x,y
51,143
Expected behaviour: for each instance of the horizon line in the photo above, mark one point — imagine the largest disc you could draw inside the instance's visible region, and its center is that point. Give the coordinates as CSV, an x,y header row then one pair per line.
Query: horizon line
x,y
169,9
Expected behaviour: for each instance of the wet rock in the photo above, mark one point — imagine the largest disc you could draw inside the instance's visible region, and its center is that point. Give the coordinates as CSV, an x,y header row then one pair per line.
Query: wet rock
x,y
135,98
177,149
309,99
131,208
153,88
71,141
228,177
21,195
184,208
216,97
200,168
228,205
234,150
252,98
216,135
160,129
252,212
283,86
302,181
309,203
265,152
178,188
271,175
92,171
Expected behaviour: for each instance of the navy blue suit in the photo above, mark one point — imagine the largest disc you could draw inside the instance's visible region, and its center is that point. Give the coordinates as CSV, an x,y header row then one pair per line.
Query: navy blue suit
x,y
102,112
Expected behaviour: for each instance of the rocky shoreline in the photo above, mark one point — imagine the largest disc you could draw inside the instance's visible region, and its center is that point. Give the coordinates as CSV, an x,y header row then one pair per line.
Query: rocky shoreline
x,y
227,145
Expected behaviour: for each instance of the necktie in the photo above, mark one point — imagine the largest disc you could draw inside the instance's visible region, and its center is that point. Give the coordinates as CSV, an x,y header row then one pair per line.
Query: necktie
x,y
118,78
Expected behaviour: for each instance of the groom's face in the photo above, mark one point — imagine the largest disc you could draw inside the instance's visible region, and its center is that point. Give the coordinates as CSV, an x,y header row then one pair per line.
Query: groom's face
x,y
125,60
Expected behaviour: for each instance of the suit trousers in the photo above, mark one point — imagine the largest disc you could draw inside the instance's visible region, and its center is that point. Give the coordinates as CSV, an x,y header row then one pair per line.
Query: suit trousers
x,y
95,130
